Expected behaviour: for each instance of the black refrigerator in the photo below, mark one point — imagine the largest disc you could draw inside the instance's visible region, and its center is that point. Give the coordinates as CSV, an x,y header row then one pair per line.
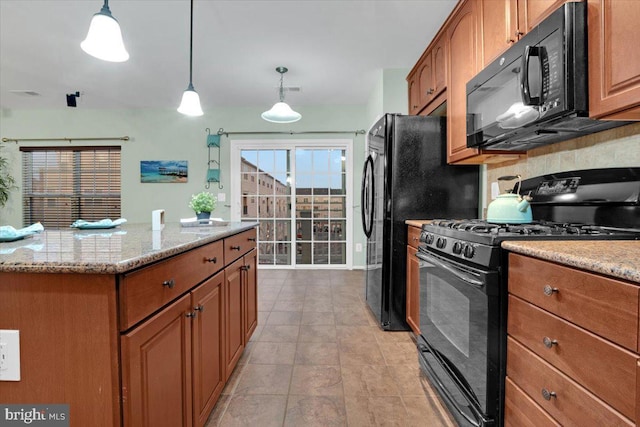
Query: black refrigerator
x,y
406,176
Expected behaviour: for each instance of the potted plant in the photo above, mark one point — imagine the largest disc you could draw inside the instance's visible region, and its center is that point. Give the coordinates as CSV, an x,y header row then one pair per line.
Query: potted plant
x,y
203,204
6,182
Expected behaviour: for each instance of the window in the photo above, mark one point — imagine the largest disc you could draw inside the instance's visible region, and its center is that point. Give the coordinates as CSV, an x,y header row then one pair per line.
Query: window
x,y
63,184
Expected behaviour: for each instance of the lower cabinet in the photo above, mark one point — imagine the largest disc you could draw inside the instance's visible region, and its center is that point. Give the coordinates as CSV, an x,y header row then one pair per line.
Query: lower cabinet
x,y
250,294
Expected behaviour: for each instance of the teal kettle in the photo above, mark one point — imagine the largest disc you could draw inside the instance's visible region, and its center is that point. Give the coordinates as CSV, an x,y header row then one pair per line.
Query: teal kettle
x,y
510,208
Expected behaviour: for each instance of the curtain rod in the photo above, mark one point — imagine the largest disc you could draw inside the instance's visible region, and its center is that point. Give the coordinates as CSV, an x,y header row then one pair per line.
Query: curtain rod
x,y
115,138
221,131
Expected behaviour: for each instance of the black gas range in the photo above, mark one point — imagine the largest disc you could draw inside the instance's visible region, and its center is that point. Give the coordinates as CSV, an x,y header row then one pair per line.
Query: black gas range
x,y
463,280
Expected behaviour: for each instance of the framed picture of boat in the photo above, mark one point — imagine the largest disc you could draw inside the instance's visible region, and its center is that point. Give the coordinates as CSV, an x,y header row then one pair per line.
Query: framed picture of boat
x,y
164,171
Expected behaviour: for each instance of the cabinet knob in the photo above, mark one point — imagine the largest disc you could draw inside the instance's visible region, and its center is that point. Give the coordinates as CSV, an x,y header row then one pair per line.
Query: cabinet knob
x,y
548,290
509,41
519,33
547,395
548,342
199,308
169,283
430,91
190,314
235,248
213,260
251,239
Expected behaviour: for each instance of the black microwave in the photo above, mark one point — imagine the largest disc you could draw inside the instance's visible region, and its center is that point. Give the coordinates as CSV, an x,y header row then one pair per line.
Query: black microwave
x,y
536,93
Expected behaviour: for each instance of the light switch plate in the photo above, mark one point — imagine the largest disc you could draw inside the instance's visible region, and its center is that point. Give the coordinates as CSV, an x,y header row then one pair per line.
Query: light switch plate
x,y
9,355
222,197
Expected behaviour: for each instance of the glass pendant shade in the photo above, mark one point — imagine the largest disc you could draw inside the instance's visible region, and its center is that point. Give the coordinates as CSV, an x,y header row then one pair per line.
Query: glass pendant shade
x,y
281,113
104,39
190,105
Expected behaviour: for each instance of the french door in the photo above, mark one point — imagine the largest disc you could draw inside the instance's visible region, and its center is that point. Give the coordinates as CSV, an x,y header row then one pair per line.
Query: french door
x,y
300,193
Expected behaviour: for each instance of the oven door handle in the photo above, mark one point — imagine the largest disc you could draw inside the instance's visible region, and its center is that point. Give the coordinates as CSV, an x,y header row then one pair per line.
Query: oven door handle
x,y
468,279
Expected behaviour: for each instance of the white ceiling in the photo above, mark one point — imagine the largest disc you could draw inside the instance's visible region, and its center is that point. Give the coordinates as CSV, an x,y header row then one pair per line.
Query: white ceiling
x,y
333,49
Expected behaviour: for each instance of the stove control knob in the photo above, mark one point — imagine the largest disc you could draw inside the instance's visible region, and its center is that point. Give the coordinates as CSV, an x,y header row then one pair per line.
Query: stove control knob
x,y
441,242
429,239
469,252
457,248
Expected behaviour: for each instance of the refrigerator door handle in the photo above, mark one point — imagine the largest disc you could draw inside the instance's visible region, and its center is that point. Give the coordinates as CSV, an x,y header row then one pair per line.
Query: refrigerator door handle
x,y
367,202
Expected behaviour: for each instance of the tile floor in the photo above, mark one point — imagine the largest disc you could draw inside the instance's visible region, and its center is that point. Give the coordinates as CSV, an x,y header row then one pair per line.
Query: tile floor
x,y
318,358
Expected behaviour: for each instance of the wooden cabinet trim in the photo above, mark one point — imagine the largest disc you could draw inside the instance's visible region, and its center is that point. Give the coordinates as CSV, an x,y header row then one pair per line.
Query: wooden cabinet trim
x,y
413,290
522,411
413,236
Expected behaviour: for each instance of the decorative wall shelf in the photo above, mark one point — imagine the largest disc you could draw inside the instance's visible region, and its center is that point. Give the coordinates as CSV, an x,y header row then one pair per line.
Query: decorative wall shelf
x,y
213,173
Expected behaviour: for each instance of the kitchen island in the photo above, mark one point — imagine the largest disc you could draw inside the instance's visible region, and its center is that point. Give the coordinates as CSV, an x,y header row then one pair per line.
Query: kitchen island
x,y
129,326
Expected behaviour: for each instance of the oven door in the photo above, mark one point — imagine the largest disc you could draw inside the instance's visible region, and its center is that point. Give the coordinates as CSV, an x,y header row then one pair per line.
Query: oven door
x,y
459,347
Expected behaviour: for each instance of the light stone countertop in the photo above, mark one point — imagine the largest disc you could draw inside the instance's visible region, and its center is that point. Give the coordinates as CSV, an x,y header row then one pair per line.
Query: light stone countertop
x,y
417,222
109,251
619,259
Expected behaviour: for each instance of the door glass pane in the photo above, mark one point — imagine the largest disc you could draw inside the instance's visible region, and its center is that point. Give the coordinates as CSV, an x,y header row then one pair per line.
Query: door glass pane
x,y
320,253
338,254
265,253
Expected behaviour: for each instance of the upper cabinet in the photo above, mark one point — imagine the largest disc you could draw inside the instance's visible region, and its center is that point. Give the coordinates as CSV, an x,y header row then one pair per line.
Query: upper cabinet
x,y
614,59
428,79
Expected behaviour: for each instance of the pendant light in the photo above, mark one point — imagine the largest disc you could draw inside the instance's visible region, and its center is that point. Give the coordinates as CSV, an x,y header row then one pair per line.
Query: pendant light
x,y
190,105
281,112
104,39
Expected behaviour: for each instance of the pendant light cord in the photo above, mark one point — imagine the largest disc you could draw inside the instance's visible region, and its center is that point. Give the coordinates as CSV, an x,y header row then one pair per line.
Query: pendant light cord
x,y
281,87
191,50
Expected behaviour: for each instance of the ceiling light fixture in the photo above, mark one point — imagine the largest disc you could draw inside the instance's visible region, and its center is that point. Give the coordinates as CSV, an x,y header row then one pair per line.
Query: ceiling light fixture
x,y
190,105
281,112
104,39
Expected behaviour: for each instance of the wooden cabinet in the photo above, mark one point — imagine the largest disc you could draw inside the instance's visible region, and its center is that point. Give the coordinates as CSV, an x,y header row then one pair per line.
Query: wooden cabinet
x,y
532,12
614,59
413,280
156,369
428,79
572,343
499,27
462,38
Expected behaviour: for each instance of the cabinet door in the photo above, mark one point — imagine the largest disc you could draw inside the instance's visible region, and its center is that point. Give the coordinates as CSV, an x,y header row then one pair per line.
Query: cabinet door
x,y
439,65
208,369
462,66
414,95
250,294
531,12
413,290
234,328
425,77
614,66
156,369
499,27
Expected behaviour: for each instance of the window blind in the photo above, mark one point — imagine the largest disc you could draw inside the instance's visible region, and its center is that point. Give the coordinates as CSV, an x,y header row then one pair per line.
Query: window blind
x,y
63,184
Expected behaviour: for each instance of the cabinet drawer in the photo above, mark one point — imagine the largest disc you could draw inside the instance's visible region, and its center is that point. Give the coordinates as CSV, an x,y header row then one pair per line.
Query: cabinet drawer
x,y
413,236
605,306
521,411
605,369
238,245
571,405
144,291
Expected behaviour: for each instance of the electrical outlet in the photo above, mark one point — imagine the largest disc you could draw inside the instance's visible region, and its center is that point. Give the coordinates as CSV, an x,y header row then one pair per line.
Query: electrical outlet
x,y
222,197
9,355
358,247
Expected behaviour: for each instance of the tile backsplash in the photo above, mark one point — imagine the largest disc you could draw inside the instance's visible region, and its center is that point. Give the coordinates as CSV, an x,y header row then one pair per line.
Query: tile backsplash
x,y
617,147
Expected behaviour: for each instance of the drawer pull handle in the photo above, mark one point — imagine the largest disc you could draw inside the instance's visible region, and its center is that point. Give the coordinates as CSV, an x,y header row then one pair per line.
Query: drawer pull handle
x,y
235,248
548,290
199,308
251,239
213,260
245,268
191,314
547,395
169,283
548,342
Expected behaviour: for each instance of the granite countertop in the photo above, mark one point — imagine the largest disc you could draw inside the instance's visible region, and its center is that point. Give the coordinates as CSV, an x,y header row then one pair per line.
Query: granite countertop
x,y
107,251
619,259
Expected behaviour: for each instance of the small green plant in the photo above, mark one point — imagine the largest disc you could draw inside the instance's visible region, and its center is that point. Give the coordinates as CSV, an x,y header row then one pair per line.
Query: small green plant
x,y
6,182
203,202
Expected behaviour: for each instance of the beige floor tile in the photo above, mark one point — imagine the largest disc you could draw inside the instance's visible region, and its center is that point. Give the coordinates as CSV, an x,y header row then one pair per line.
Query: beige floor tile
x,y
317,353
279,333
218,411
284,318
264,379
367,411
289,304
318,304
251,411
265,304
357,353
273,353
316,380
399,353
317,333
360,333
315,411
353,316
318,318
407,377
368,380
421,408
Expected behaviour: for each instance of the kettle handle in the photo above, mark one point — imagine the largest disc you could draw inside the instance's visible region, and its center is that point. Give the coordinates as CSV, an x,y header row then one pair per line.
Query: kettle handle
x,y
510,178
